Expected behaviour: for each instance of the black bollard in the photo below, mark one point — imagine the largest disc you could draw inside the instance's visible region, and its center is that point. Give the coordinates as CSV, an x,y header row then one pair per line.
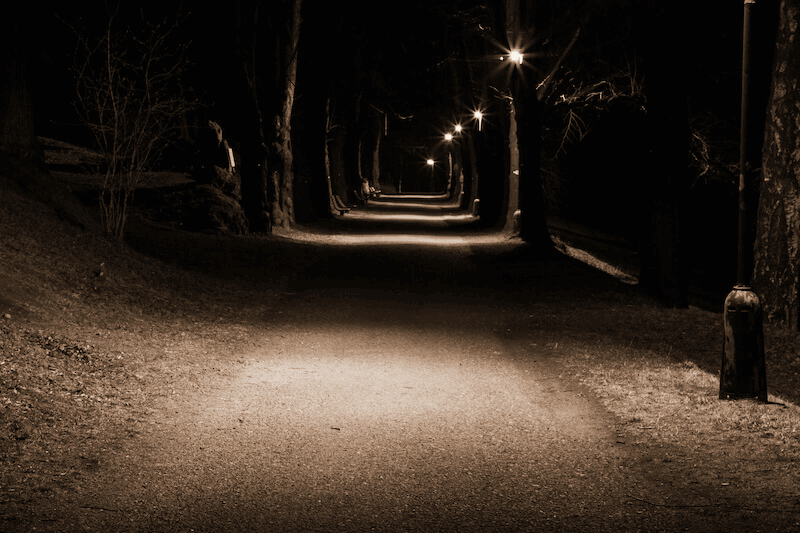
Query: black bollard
x,y
743,373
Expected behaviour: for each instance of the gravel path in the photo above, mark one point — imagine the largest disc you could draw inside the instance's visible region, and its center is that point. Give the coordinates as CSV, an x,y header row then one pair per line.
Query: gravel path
x,y
397,387
367,416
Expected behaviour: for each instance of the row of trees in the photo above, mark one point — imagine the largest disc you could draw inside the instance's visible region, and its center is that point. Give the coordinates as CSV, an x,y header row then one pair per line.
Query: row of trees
x,y
309,90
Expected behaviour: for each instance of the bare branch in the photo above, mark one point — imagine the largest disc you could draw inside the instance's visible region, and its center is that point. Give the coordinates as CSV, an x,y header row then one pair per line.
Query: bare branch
x,y
126,96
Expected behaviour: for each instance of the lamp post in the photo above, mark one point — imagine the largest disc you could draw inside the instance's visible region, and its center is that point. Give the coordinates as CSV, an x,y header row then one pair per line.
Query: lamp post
x,y
743,373
516,188
431,164
449,138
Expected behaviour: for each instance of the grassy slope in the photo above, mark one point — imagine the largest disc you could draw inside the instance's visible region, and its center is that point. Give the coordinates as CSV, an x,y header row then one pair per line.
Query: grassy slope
x,y
84,324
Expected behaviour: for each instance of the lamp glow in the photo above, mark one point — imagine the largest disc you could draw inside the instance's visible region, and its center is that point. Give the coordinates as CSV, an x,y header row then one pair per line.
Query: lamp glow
x,y
448,137
430,162
479,117
515,56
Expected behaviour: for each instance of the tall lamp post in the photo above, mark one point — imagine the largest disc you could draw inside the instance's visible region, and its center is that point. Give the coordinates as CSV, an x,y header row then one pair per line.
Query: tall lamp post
x,y
449,138
743,372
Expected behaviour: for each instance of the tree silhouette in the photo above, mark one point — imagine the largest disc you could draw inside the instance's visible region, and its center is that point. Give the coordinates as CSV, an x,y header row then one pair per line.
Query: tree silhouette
x,y
130,97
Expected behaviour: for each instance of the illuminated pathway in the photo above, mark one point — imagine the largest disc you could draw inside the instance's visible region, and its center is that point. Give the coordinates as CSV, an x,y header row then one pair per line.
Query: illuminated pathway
x,y
400,386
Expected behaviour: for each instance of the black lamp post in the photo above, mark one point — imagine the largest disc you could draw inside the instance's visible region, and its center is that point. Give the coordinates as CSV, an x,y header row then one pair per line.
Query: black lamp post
x,y
743,372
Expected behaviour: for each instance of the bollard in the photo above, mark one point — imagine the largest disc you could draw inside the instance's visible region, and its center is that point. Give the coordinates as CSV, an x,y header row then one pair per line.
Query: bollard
x,y
743,373
476,207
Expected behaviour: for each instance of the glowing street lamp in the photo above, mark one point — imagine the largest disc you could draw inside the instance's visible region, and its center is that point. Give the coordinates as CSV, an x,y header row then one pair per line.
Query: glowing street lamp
x,y
449,138
515,56
479,117
458,128
433,177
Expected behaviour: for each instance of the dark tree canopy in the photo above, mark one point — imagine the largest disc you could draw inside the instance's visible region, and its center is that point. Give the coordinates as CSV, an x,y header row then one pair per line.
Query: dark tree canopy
x,y
623,116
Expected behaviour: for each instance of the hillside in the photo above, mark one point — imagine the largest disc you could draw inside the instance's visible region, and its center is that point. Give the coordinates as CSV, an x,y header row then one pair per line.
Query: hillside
x,y
85,323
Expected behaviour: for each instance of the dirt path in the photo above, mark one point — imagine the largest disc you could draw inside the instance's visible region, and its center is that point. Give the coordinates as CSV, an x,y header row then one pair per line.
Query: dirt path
x,y
394,387
357,414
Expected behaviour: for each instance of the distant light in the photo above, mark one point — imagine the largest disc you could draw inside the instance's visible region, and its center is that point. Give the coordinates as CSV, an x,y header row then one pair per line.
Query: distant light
x,y
430,162
448,137
458,128
515,56
479,117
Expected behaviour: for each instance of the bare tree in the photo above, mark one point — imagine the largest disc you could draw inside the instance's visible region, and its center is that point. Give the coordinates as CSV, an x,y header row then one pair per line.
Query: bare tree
x,y
129,97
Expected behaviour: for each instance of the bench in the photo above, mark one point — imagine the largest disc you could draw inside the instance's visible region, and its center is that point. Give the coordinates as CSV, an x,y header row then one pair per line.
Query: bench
x,y
364,196
339,205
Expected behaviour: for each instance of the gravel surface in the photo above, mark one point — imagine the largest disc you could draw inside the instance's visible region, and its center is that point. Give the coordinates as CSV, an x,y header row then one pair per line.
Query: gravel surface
x,y
400,383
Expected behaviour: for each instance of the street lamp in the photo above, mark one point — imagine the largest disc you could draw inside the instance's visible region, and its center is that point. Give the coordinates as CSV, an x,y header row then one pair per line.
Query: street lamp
x,y
515,56
433,180
743,372
449,138
479,117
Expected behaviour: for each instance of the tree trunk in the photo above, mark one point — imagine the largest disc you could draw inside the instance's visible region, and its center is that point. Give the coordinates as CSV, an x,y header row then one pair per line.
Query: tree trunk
x,y
512,200
664,271
354,133
526,192
268,174
377,134
533,224
470,175
282,173
777,249
337,160
17,137
255,163
319,181
761,49
470,163
21,157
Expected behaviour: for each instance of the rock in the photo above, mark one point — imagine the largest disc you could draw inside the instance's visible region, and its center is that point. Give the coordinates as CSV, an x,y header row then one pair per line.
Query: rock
x,y
207,208
228,182
215,162
210,147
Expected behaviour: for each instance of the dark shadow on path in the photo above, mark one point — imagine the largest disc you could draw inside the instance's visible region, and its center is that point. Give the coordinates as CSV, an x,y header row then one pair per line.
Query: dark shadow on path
x,y
396,247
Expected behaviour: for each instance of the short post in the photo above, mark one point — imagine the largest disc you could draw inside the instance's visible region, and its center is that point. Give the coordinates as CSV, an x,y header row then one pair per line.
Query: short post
x,y
743,373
